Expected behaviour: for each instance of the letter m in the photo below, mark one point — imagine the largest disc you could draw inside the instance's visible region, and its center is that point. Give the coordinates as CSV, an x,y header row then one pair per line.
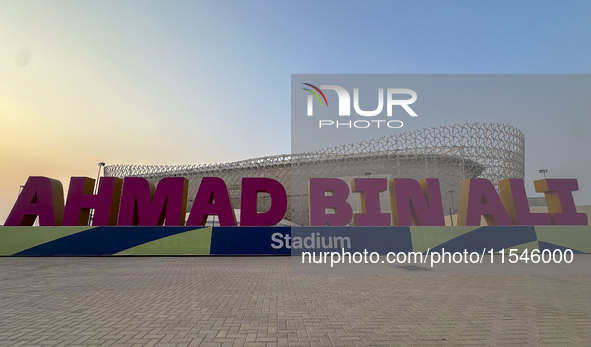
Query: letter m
x,y
141,204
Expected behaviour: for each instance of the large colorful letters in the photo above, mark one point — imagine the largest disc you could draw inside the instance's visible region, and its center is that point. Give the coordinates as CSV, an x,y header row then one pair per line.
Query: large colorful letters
x,y
137,201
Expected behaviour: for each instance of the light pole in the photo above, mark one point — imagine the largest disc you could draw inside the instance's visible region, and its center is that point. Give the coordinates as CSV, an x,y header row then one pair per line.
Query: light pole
x,y
100,165
451,218
96,184
543,171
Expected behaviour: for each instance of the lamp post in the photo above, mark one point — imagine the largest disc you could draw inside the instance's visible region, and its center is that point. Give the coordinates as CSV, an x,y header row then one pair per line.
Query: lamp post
x,y
96,184
543,171
100,165
451,218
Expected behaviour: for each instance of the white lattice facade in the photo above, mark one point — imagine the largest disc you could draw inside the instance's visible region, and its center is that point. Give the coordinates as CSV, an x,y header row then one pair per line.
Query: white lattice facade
x,y
451,153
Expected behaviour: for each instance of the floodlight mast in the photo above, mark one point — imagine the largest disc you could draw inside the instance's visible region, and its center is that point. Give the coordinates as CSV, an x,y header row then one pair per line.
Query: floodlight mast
x,y
543,171
96,184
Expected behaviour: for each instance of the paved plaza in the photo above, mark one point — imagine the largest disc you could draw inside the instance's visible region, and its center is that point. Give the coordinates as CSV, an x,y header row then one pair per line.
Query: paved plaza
x,y
257,301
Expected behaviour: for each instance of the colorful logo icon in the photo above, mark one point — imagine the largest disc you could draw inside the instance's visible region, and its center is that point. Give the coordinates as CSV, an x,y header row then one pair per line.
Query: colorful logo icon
x,y
319,91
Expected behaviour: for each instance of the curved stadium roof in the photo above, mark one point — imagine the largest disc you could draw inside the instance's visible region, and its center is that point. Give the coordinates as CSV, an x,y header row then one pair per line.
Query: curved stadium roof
x,y
450,153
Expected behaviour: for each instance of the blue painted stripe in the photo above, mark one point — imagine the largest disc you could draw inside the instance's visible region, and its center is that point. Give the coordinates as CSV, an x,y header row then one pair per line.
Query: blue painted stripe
x,y
246,241
381,240
551,247
257,240
102,241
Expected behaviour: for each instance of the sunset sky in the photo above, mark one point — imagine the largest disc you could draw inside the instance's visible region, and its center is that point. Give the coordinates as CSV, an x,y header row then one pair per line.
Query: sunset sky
x,y
180,82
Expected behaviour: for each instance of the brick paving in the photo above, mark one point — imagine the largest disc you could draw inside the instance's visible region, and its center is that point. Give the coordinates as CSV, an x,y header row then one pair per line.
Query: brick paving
x,y
257,301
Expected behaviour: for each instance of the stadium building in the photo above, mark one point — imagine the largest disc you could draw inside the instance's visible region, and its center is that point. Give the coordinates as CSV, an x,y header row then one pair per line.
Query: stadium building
x,y
451,153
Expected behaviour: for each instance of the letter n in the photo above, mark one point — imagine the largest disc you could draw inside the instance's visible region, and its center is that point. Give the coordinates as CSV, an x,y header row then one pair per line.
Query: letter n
x,y
417,203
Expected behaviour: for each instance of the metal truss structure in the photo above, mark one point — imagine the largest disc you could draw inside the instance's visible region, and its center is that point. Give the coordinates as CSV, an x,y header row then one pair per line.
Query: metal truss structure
x,y
451,153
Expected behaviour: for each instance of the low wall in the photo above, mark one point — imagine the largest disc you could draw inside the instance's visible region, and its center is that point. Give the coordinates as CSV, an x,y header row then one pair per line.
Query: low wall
x,y
174,241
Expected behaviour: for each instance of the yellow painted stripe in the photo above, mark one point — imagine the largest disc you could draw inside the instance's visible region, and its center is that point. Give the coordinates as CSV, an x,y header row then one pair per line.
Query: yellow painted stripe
x,y
424,238
17,239
570,236
192,242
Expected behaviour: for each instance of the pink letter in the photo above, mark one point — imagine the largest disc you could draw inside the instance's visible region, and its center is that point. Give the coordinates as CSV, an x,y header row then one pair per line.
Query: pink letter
x,y
515,201
140,205
251,187
41,196
80,200
319,202
559,199
478,197
417,203
212,200
371,212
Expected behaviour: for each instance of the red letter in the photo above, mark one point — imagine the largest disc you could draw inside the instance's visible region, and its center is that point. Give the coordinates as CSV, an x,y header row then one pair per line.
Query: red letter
x,y
560,201
212,200
515,201
371,212
41,196
417,203
105,203
319,202
478,197
141,206
251,187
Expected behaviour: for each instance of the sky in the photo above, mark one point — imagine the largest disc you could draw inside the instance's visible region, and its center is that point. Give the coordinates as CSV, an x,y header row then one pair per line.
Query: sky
x,y
191,82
